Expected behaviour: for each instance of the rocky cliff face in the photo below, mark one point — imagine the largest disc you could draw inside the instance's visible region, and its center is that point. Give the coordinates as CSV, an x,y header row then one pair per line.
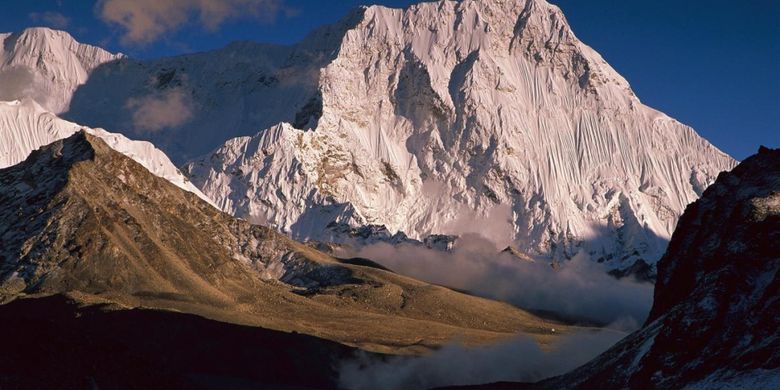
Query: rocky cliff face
x,y
78,215
716,312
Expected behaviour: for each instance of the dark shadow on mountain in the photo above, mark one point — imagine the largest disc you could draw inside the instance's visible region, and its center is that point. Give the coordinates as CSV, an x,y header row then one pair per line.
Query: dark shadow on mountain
x,y
10,41
714,318
189,105
319,217
53,342
629,250
365,263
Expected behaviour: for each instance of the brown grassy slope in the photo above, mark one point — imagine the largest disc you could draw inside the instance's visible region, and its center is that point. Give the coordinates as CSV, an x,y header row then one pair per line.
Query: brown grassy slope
x,y
88,220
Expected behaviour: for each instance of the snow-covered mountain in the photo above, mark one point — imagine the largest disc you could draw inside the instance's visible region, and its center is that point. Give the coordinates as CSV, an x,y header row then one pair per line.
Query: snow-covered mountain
x,y
46,65
189,105
442,118
26,126
455,117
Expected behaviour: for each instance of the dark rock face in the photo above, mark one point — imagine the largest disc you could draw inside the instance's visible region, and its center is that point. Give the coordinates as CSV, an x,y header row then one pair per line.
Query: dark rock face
x,y
734,230
716,311
344,234
640,270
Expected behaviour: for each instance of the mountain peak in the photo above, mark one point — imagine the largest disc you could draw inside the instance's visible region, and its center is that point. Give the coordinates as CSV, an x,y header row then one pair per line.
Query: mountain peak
x,y
464,108
469,106
26,126
61,228
46,65
42,40
765,150
63,153
39,36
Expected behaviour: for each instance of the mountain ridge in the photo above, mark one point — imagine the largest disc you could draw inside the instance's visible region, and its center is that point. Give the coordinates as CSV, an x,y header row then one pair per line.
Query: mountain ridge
x,y
26,126
434,153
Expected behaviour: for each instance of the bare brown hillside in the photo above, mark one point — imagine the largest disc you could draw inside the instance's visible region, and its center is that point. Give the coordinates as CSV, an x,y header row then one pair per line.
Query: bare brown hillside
x,y
79,218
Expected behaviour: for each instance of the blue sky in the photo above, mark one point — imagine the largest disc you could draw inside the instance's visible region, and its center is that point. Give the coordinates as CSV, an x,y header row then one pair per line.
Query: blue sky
x,y
714,65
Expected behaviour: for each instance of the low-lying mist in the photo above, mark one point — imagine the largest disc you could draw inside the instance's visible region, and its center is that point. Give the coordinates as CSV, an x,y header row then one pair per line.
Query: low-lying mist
x,y
579,289
518,360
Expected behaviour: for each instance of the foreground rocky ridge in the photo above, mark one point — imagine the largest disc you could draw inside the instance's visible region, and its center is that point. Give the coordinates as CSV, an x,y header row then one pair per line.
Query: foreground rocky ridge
x,y
78,217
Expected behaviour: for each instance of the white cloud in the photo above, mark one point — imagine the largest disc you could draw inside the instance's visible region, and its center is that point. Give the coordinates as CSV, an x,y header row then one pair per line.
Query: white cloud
x,y
579,289
171,108
21,82
145,21
50,19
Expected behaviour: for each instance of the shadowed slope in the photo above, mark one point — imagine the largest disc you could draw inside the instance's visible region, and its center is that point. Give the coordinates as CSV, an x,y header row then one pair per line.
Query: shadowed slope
x,y
716,310
102,347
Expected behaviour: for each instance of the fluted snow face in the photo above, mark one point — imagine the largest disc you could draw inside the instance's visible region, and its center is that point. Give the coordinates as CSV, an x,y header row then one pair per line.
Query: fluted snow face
x,y
455,117
26,126
46,65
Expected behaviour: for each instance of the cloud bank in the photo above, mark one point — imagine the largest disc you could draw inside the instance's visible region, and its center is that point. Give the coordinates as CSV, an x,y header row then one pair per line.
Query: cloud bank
x,y
20,82
519,360
170,108
580,289
145,21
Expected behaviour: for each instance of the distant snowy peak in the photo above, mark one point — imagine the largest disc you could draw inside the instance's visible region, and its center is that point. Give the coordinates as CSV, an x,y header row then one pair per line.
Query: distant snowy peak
x,y
46,65
26,126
